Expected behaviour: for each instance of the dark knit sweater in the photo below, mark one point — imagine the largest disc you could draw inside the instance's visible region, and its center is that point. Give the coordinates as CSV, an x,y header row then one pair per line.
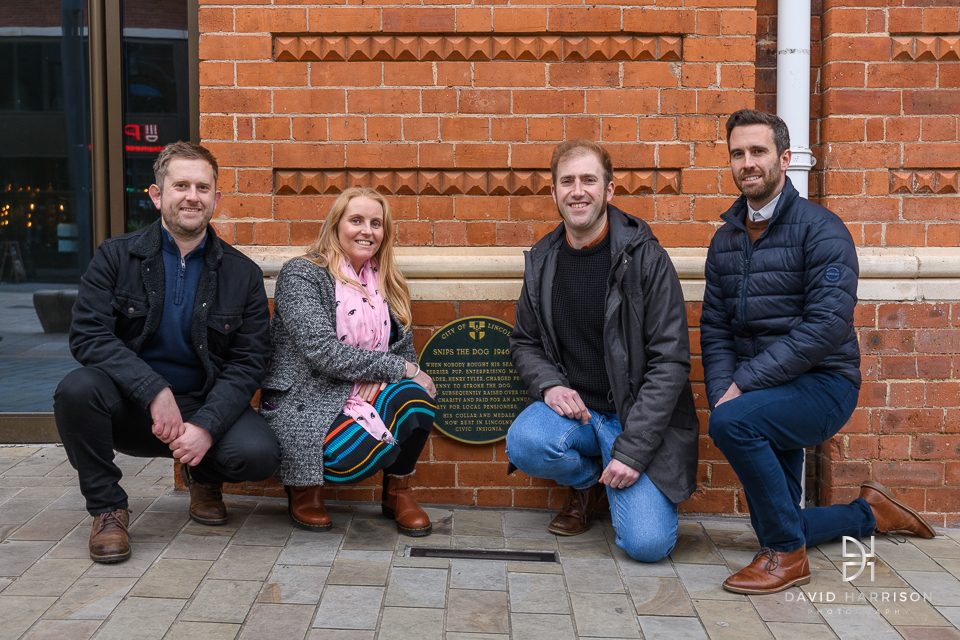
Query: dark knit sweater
x,y
579,292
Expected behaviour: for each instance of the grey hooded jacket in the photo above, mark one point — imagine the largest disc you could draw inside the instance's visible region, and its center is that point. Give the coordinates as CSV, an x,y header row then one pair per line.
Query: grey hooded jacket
x,y
647,350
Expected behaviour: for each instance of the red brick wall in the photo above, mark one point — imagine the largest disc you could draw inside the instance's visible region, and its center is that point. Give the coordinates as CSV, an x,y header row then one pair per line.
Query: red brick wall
x,y
454,108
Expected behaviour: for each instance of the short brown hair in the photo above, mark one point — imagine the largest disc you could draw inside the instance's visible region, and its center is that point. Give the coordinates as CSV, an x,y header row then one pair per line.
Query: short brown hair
x,y
744,117
582,147
186,151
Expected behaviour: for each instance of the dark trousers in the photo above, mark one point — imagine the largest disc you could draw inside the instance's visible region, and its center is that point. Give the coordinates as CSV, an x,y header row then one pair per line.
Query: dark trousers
x,y
763,435
94,418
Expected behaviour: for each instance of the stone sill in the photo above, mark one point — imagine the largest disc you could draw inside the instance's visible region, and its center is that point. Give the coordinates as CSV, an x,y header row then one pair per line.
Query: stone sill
x,y
899,274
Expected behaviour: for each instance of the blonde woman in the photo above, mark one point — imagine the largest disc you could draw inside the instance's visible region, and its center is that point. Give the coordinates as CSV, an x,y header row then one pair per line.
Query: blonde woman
x,y
343,391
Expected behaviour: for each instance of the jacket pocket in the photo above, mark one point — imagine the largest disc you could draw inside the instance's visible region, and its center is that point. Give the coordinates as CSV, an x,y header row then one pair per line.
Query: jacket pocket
x,y
130,313
220,331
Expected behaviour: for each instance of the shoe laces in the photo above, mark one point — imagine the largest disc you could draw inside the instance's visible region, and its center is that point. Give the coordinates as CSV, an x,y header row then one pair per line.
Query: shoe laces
x,y
893,537
773,558
114,518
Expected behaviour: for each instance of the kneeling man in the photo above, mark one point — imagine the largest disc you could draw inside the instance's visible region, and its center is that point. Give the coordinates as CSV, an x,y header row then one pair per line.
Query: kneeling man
x,y
171,325
780,356
601,343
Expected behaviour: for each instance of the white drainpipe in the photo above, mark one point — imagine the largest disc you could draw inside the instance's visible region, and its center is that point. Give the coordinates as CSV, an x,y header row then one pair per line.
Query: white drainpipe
x,y
793,86
793,106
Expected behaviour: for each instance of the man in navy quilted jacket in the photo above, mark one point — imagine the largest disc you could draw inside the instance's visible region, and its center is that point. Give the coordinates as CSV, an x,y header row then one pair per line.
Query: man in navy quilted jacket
x,y
781,359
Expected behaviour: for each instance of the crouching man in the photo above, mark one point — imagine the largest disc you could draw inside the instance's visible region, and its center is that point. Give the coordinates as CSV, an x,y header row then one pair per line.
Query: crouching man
x,y
780,356
171,327
601,343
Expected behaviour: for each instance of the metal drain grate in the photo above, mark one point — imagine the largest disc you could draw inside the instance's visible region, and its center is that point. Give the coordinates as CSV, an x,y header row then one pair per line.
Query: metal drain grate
x,y
483,554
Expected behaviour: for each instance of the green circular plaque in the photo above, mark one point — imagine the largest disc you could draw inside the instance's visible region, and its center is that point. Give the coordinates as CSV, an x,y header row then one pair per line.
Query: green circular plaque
x,y
479,393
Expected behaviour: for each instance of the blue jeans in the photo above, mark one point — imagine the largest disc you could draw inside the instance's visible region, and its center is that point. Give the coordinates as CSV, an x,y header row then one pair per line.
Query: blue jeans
x,y
543,444
764,433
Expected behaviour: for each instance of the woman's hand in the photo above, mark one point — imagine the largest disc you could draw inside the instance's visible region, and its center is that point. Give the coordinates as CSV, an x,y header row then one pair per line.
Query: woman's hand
x,y
369,390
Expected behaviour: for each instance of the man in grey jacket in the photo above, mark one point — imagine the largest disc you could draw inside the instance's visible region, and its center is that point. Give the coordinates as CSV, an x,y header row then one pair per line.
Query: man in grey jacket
x,y
601,342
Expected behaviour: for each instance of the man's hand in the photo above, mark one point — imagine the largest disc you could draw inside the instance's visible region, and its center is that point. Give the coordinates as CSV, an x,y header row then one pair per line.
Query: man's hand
x,y
167,421
566,402
369,390
190,447
619,475
732,392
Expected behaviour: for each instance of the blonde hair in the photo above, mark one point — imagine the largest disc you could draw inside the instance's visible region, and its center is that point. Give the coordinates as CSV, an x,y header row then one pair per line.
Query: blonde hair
x,y
327,252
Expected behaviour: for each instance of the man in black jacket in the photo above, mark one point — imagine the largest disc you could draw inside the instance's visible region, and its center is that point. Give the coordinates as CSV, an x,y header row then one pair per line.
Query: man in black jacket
x,y
601,343
171,327
780,356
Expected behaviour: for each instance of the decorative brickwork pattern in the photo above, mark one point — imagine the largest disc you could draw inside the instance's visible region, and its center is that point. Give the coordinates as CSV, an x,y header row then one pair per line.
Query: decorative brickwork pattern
x,y
925,48
449,183
932,182
476,48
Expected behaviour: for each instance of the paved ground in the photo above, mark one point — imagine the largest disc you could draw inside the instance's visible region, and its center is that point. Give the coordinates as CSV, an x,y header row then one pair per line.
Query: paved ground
x,y
258,577
32,362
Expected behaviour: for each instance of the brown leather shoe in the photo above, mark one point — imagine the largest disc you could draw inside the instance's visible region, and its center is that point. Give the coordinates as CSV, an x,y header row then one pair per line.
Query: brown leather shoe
x,y
306,508
771,571
891,514
578,511
206,500
109,540
399,504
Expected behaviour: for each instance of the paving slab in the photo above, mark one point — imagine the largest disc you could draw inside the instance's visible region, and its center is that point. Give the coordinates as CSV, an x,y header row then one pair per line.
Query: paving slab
x,y
371,535
345,607
787,606
243,562
858,623
62,630
592,575
294,584
940,587
288,621
151,617
18,613
203,631
16,556
417,587
398,623
900,611
472,611
309,548
542,626
187,546
797,631
478,523
725,620
484,575
268,531
538,593
704,581
90,599
929,633
48,578
172,578
671,628
659,596
222,601
142,557
604,615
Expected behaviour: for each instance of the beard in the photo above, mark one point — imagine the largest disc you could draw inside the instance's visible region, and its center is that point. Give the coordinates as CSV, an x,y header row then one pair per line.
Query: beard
x,y
764,188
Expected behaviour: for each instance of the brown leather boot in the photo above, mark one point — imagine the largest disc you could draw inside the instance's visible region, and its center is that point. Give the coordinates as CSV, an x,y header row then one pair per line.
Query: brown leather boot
x,y
109,540
578,511
206,500
306,508
399,504
891,514
771,571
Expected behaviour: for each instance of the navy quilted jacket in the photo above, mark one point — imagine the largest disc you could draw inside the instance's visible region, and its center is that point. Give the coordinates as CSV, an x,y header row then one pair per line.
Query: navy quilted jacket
x,y
783,306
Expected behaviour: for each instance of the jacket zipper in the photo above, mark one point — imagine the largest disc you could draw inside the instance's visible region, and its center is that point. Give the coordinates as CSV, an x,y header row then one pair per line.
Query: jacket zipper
x,y
743,293
181,273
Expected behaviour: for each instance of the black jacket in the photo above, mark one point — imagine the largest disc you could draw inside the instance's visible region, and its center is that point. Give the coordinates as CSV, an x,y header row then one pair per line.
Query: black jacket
x,y
646,344
120,304
783,306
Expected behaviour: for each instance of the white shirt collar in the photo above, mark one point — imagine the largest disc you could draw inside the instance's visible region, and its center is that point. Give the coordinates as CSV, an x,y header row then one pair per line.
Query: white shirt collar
x,y
766,211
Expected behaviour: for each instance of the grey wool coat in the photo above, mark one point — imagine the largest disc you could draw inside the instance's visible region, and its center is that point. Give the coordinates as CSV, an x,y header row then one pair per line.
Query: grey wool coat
x,y
311,373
